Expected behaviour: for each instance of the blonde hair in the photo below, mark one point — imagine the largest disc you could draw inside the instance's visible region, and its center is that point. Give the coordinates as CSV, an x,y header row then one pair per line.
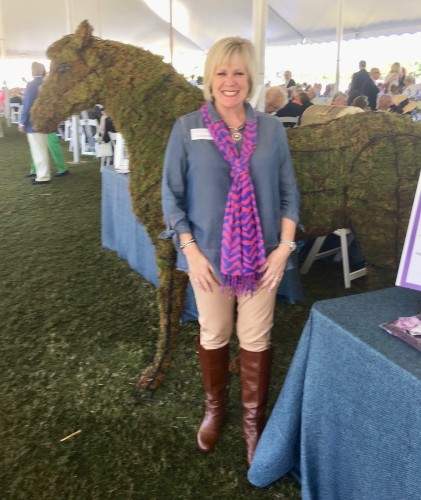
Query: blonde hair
x,y
221,52
275,98
395,68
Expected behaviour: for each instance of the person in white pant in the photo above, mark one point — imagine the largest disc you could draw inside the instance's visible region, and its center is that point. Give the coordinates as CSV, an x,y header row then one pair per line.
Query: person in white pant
x,y
37,141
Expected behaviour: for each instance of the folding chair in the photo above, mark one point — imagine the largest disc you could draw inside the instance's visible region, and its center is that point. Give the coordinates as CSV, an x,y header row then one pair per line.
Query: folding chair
x,y
315,254
15,112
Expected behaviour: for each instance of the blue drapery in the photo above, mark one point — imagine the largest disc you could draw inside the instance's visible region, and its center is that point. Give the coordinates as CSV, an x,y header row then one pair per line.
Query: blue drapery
x,y
348,419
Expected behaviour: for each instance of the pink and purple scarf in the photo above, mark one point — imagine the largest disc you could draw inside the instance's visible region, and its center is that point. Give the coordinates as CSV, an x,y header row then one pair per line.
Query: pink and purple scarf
x,y
243,257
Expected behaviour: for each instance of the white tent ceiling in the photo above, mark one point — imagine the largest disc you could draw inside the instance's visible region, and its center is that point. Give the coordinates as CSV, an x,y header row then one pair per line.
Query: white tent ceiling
x,y
30,26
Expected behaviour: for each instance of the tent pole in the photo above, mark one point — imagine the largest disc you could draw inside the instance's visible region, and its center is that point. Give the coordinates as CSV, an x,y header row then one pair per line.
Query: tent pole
x,y
260,16
2,34
69,22
3,85
171,34
99,18
339,36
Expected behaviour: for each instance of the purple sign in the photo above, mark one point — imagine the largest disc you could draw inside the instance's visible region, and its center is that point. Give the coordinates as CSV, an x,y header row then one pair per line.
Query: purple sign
x,y
409,274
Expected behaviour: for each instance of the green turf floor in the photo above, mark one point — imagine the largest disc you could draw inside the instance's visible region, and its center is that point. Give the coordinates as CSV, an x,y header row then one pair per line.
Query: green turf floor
x,y
77,327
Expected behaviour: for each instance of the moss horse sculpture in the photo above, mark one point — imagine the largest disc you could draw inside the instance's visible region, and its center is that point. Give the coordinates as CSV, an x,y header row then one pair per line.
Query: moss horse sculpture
x,y
359,171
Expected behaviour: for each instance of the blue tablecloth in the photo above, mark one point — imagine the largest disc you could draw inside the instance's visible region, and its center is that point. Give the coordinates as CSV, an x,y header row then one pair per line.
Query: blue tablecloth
x,y
123,233
348,419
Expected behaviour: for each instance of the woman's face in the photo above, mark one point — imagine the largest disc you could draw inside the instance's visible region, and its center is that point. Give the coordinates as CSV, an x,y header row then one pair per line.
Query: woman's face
x,y
230,84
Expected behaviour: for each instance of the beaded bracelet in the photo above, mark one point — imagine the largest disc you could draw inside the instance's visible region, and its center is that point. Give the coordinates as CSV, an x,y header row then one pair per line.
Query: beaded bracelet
x,y
187,243
291,244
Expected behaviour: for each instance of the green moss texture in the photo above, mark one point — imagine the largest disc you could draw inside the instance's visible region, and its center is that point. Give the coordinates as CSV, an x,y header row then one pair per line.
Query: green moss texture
x,y
359,171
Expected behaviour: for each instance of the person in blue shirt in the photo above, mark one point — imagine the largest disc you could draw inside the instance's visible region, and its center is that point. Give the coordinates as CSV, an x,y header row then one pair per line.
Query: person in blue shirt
x,y
38,142
230,203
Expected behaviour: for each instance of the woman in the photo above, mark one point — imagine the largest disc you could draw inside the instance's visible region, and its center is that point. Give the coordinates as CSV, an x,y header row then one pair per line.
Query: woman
x,y
393,77
230,200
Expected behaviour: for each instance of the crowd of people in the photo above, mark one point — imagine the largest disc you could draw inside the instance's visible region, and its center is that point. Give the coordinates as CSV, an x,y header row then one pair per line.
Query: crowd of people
x,y
397,92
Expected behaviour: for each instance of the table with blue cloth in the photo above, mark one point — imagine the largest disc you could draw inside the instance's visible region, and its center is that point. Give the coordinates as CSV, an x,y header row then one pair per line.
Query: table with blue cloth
x,y
122,232
347,422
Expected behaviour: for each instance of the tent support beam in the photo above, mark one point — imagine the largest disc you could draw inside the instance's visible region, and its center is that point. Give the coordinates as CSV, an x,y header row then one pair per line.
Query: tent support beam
x,y
260,16
69,20
99,18
2,34
339,36
171,33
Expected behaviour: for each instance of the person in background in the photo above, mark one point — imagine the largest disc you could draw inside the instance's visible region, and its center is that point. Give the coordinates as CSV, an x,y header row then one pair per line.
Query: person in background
x,y
292,110
384,102
371,89
392,78
230,202
339,99
394,89
275,99
289,82
358,82
402,76
54,147
411,89
2,100
361,102
304,98
317,90
38,142
329,90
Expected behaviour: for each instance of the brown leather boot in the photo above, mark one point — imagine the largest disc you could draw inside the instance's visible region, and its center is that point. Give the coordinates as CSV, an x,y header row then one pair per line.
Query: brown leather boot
x,y
215,376
255,374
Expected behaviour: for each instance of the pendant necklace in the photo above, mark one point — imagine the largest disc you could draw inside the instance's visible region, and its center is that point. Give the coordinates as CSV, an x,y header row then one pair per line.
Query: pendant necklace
x,y
236,132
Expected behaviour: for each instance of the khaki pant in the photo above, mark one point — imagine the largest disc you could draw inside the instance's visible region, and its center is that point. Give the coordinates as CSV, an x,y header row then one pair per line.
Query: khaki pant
x,y
217,313
39,152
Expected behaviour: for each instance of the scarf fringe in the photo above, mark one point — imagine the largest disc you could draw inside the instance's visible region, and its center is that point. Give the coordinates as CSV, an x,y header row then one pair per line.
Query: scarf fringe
x,y
241,285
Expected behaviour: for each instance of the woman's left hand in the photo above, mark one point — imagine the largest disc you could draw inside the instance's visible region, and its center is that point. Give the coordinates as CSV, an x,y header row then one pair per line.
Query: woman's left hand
x,y
275,267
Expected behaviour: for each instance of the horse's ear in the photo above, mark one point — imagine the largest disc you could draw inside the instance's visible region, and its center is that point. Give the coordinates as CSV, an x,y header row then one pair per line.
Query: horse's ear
x,y
83,35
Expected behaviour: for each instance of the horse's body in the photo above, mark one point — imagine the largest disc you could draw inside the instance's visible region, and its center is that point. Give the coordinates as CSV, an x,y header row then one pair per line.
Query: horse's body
x,y
144,96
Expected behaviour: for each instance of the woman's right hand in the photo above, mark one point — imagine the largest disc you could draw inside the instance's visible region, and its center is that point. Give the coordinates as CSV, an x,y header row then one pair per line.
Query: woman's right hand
x,y
200,269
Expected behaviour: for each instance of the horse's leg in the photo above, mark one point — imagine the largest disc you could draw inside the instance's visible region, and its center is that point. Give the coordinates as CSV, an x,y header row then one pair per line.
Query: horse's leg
x,y
171,295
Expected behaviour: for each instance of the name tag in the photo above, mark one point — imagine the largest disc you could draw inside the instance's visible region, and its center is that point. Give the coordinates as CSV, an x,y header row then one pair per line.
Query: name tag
x,y
198,134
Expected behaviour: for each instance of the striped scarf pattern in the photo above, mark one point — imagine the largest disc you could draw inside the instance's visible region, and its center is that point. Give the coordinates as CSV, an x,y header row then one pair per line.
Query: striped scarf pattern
x,y
243,257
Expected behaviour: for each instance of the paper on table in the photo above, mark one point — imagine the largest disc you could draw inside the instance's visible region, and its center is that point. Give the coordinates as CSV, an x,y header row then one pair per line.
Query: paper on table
x,y
406,328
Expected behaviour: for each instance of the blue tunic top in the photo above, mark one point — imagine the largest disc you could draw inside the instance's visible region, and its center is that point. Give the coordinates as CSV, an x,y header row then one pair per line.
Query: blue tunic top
x,y
31,93
196,181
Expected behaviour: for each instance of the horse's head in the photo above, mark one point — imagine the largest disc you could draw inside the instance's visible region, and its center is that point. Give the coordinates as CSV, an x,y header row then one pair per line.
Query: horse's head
x,y
74,82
